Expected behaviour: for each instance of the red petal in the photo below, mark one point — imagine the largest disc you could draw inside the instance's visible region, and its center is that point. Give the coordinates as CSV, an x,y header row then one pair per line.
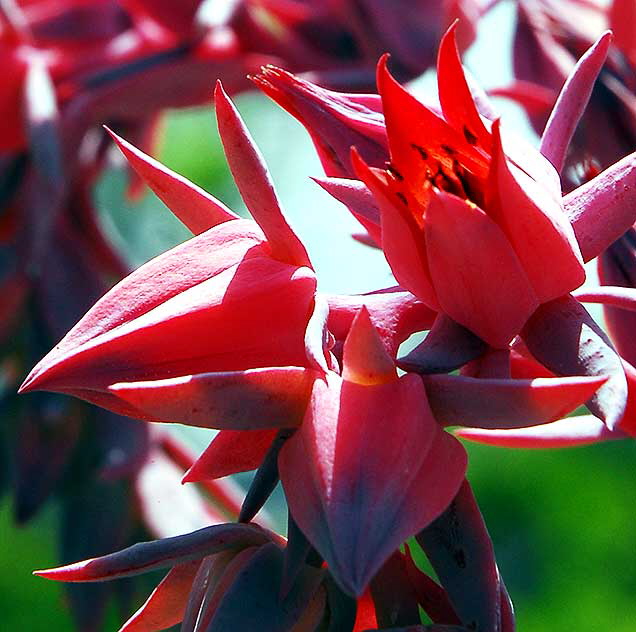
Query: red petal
x,y
357,492
231,451
402,239
536,227
241,400
488,403
196,208
477,276
255,184
455,95
250,315
563,433
365,358
417,135
166,604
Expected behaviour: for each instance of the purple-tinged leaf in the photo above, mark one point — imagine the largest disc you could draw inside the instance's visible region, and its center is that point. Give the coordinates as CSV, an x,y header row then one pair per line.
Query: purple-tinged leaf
x,y
448,346
572,102
566,340
356,196
265,479
602,209
494,403
196,208
252,600
459,549
338,472
564,433
146,556
238,400
296,552
254,183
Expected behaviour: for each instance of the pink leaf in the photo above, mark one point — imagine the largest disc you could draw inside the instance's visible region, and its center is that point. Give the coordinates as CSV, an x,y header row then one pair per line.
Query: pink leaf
x,y
255,184
493,403
196,208
572,102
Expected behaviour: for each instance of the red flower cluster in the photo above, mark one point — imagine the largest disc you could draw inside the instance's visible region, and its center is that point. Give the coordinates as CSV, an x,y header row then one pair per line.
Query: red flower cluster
x,y
229,331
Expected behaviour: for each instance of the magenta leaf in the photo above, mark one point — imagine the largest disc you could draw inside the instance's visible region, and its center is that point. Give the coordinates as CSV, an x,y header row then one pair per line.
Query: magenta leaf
x,y
146,556
505,403
447,346
461,552
583,349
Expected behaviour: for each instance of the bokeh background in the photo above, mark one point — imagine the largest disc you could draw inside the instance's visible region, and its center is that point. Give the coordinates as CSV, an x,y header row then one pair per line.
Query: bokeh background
x,y
562,521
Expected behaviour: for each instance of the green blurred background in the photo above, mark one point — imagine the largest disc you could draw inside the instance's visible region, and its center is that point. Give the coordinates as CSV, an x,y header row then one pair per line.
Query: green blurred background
x,y
562,521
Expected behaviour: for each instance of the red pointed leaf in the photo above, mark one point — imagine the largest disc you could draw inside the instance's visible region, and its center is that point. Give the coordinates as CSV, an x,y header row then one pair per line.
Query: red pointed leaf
x,y
255,184
231,451
492,403
241,400
196,208
146,556
455,95
536,227
250,315
477,276
339,476
573,431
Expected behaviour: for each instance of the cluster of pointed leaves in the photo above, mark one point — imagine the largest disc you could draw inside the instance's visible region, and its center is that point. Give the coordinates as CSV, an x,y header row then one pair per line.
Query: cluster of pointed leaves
x,y
468,218
69,66
549,38
228,331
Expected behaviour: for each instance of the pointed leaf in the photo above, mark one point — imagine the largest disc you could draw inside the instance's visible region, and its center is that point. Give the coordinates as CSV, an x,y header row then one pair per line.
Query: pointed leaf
x,y
265,479
447,347
146,556
536,227
239,400
338,472
250,315
582,349
492,403
572,102
455,95
602,209
255,184
365,358
231,451
196,208
564,433
459,548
